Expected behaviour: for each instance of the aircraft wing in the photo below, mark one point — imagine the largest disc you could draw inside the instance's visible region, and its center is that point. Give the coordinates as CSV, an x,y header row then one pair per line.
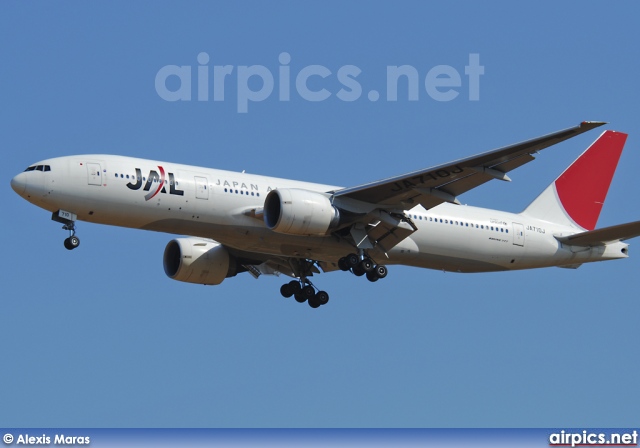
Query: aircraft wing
x,y
433,186
600,237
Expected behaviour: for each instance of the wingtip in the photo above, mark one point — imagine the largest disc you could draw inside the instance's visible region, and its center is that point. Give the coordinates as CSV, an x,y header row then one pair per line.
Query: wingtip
x,y
593,124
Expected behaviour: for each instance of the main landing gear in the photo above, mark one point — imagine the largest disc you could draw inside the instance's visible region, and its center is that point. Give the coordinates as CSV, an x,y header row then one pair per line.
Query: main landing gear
x,y
363,265
304,291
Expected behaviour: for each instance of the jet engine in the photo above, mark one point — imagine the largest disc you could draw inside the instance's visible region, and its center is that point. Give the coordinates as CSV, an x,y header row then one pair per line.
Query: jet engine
x,y
299,212
196,260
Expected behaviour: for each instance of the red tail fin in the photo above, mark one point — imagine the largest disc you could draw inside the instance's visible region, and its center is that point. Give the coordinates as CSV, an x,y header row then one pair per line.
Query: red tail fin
x,y
583,187
577,196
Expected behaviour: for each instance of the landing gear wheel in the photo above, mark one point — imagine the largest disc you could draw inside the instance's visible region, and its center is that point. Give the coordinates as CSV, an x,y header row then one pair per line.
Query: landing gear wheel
x,y
381,271
286,290
295,286
322,297
342,264
72,242
352,260
314,302
308,292
372,276
357,271
299,298
366,265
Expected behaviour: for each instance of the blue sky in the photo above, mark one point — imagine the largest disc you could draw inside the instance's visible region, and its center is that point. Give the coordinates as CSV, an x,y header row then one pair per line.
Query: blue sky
x,y
100,337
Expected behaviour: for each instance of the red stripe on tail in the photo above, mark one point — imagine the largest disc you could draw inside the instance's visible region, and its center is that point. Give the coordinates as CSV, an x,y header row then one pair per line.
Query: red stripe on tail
x,y
583,186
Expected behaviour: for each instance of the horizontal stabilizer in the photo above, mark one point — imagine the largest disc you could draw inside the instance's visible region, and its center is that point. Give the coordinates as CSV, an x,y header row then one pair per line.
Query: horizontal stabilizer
x,y
600,237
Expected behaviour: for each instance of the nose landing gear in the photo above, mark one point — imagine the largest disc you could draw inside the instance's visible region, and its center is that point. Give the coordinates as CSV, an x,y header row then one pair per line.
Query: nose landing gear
x,y
69,221
73,241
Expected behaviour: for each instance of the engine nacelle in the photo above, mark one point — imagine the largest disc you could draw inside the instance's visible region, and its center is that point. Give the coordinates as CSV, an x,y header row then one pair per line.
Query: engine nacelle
x,y
299,212
194,260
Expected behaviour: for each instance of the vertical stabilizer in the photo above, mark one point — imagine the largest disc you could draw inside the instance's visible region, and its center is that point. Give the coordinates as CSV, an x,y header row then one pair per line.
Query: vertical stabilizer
x,y
576,197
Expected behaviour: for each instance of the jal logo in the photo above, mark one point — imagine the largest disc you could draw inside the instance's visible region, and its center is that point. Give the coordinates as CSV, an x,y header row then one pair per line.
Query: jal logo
x,y
155,178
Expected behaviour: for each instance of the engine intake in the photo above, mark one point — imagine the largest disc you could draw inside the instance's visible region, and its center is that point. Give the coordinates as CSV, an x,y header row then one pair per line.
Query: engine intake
x,y
299,212
193,260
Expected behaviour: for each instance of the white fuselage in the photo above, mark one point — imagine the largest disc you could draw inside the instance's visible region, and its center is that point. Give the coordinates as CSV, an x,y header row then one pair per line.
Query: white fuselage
x,y
222,205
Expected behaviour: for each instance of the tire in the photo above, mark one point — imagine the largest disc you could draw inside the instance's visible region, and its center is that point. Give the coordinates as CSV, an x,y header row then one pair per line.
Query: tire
x,y
366,265
308,292
352,260
314,302
381,271
74,241
342,264
372,276
357,271
299,298
295,286
286,290
322,297
67,244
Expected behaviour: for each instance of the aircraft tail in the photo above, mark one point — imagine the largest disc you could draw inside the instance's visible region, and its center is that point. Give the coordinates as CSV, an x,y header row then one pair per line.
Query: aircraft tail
x,y
576,197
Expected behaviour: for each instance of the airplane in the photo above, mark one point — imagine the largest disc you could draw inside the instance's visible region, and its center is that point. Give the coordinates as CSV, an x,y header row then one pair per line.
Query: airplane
x,y
240,222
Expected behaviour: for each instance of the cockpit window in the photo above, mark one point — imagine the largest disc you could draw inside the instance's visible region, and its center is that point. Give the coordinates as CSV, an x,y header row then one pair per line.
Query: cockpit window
x,y
39,168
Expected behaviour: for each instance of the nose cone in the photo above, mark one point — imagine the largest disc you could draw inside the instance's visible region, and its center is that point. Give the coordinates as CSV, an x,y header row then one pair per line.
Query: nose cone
x,y
19,183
